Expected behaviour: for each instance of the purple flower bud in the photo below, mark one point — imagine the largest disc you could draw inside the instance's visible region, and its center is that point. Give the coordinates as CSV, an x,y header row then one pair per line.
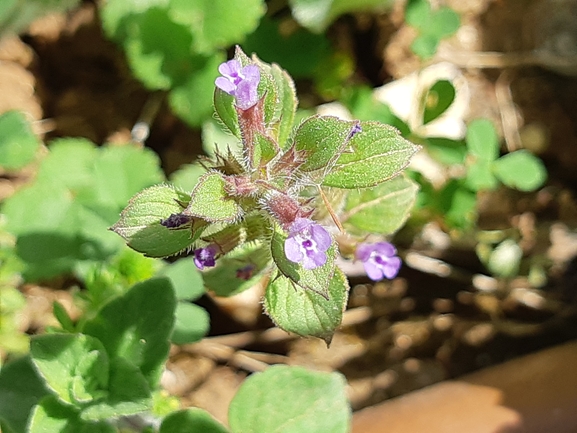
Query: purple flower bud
x,y
307,243
175,220
205,257
239,82
379,259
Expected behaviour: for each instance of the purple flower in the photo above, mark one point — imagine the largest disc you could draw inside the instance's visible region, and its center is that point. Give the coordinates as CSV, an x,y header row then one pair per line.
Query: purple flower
x,y
205,257
307,243
379,259
239,82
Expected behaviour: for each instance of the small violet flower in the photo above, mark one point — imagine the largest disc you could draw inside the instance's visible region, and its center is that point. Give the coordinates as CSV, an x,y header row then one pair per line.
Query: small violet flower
x,y
307,243
205,257
379,259
239,82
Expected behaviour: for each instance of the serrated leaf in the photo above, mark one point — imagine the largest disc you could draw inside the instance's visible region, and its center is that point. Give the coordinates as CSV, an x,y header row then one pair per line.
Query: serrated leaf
x,y
322,139
382,209
191,420
316,280
21,388
521,170
238,270
139,222
482,141
305,312
128,394
266,402
437,100
75,366
18,144
210,201
191,323
140,338
378,153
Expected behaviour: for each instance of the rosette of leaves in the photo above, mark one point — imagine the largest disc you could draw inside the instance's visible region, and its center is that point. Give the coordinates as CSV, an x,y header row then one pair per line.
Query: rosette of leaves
x,y
243,206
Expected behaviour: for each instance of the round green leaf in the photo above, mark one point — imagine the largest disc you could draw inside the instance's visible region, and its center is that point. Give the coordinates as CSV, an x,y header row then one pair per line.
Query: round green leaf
x,y
18,144
482,140
185,278
191,323
191,420
285,399
520,170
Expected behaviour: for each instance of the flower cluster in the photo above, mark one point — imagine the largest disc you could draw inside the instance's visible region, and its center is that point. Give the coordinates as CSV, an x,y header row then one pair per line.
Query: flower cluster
x,y
240,82
379,260
205,257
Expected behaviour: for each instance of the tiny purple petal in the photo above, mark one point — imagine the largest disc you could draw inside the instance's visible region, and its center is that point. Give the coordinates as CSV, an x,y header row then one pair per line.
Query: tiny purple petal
x,y
307,243
242,83
205,257
379,260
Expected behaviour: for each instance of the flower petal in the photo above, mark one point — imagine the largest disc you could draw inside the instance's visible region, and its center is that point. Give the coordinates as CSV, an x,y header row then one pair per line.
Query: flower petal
x,y
225,85
373,270
292,250
320,235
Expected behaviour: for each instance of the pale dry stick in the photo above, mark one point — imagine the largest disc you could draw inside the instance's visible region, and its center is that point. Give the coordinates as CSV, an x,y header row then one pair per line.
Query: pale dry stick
x,y
508,111
141,129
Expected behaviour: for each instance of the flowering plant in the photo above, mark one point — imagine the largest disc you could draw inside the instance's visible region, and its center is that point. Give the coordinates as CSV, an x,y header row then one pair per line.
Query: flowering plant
x,y
284,208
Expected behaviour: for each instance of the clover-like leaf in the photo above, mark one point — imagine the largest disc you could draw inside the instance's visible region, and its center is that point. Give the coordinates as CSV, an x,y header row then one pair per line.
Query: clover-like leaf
x,y
139,222
75,366
382,209
322,139
305,312
482,140
210,201
521,170
378,152
316,280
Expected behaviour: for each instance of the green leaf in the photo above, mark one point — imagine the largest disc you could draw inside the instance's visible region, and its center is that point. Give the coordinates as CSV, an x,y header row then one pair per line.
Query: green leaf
x,y
20,389
444,22
52,416
316,15
191,420
140,338
316,280
191,100
480,176
62,316
185,279
210,201
75,366
275,45
128,394
18,144
382,209
186,177
378,153
238,270
520,170
139,222
322,139
437,100
192,323
425,46
458,205
16,16
215,24
417,13
446,151
285,399
482,141
305,312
